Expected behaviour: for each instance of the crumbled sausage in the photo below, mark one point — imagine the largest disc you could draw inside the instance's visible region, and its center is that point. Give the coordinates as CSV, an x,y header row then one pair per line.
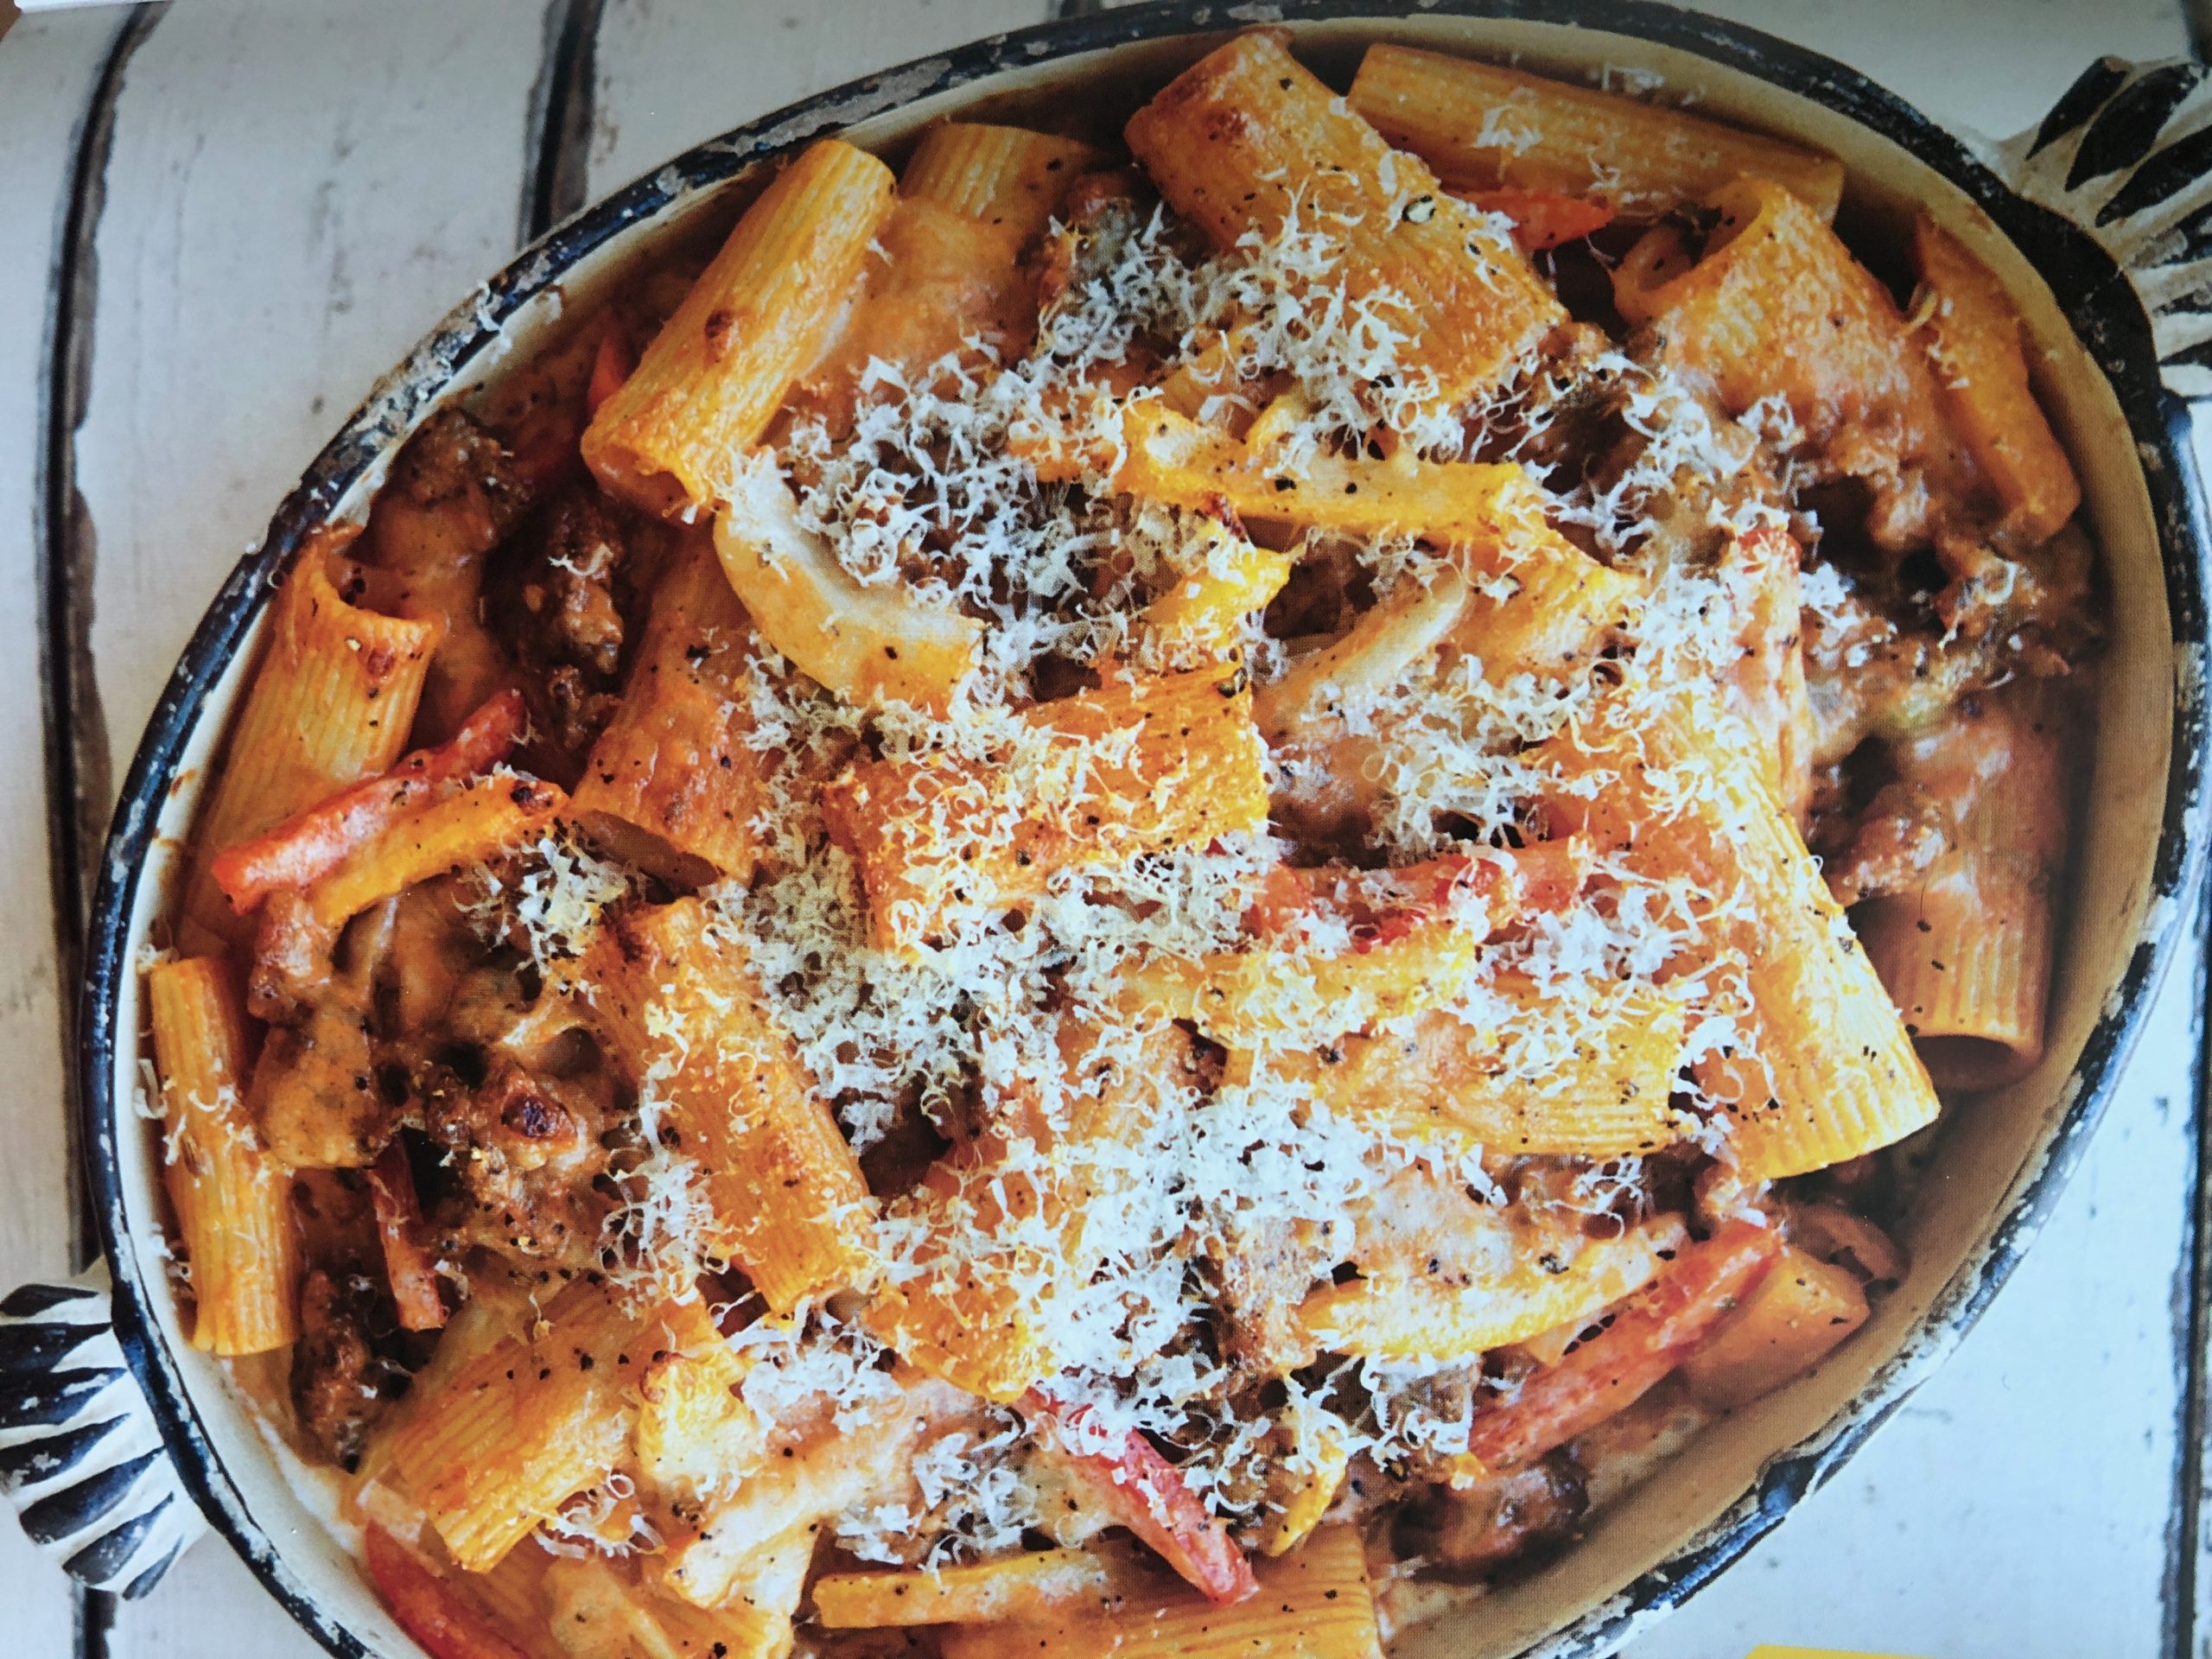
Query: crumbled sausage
x,y
1480,1527
526,1152
565,622
342,1378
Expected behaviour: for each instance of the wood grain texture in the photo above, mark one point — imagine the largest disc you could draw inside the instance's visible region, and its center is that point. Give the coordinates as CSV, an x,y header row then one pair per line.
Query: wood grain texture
x,y
48,69
671,72
294,194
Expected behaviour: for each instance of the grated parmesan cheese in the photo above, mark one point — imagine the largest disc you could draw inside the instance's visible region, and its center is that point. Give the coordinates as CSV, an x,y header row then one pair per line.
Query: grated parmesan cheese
x,y
931,487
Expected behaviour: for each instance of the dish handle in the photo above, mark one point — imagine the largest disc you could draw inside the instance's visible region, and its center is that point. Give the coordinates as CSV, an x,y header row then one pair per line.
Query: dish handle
x,y
2125,153
81,1459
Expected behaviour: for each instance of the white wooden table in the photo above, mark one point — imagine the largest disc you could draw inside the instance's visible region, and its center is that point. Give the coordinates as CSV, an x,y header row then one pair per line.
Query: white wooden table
x,y
219,223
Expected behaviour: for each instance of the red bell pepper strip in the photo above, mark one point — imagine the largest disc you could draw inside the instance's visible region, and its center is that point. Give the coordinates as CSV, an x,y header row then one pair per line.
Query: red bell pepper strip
x,y
1146,1493
413,1273
426,1608
311,843
1651,1335
612,363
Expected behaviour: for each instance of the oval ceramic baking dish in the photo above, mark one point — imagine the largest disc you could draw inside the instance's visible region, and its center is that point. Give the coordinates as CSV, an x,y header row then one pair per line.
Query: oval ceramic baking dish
x,y
114,1432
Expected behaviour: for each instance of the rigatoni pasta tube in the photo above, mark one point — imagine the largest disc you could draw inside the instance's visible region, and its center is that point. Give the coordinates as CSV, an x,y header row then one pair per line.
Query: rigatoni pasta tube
x,y
1246,140
974,1592
232,1198
1582,1070
1556,620
1490,516
597,1612
1019,1197
1777,307
1478,508
946,286
1973,336
1680,789
680,1000
1313,1603
672,780
427,1605
524,1426
1403,1318
1801,1311
696,1434
1009,178
1388,945
331,701
313,842
1268,997
1083,783
1369,660
1966,950
1483,127
869,643
1966,957
1201,615
708,385
496,814
513,1592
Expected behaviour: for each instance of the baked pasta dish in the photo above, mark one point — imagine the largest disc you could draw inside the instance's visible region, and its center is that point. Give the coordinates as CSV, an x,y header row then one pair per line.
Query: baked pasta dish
x,y
1146,890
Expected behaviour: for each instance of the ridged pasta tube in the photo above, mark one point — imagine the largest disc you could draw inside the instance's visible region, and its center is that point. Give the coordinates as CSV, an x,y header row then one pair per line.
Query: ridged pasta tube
x,y
671,783
1087,782
1314,1603
1581,1069
1248,139
681,1002
1966,950
332,701
1827,1071
232,1198
1403,1318
1009,178
525,1425
1974,337
1483,126
714,377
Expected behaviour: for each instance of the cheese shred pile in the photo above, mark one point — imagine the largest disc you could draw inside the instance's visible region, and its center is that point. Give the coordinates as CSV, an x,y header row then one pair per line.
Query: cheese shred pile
x,y
1122,1249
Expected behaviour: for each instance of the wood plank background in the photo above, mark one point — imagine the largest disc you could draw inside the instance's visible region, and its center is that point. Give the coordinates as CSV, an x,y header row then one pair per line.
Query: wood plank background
x,y
220,222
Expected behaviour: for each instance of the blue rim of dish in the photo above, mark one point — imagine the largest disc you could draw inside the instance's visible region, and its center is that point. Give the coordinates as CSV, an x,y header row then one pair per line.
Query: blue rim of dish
x,y
2094,295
